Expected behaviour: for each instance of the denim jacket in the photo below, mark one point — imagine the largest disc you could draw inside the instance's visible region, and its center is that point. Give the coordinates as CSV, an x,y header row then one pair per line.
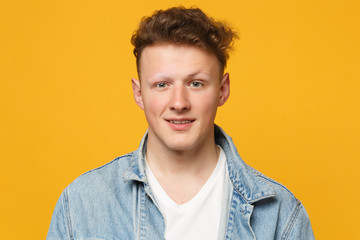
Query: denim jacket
x,y
115,202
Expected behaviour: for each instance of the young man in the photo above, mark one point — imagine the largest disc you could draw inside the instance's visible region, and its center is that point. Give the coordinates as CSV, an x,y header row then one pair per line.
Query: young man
x,y
186,180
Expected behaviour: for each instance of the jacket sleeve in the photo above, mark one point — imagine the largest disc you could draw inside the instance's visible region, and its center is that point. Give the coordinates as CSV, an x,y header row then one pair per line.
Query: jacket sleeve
x,y
59,225
300,228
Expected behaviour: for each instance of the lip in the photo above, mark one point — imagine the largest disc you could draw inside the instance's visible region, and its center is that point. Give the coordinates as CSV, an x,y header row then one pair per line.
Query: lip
x,y
180,124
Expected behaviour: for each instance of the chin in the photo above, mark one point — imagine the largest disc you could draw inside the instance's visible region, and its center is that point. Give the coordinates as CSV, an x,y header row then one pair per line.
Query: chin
x,y
181,146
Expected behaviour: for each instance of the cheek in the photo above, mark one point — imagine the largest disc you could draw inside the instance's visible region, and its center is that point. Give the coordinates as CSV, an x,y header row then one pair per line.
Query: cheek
x,y
209,101
207,109
154,103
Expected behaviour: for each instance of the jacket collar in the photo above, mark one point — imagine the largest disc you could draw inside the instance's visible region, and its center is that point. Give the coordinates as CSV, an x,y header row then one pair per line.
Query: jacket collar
x,y
137,166
249,183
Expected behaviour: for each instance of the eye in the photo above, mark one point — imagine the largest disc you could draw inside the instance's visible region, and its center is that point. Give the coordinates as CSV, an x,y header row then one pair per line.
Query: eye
x,y
160,85
196,84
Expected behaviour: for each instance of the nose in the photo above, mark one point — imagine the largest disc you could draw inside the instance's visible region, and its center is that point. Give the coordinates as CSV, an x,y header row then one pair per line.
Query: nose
x,y
179,99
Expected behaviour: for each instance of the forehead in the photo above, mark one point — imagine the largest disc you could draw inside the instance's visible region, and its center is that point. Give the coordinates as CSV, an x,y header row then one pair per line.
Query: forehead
x,y
175,60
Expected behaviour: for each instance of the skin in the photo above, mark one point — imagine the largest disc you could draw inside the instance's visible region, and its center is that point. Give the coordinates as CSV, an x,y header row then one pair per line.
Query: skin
x,y
180,91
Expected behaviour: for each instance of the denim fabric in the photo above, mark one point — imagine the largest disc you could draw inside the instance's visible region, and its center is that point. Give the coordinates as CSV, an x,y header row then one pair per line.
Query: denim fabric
x,y
115,202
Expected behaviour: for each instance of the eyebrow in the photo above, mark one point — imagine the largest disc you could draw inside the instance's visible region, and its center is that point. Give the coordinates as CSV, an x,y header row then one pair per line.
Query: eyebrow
x,y
194,74
191,75
167,77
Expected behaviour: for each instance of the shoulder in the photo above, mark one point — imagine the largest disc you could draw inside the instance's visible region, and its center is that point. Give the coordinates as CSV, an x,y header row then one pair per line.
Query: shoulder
x,y
103,178
282,192
95,195
283,201
284,209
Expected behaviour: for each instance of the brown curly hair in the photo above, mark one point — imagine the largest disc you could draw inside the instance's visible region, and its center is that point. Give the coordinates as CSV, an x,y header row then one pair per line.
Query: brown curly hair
x,y
184,26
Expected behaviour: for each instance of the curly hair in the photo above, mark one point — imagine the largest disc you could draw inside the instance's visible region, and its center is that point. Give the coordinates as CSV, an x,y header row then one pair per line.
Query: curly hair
x,y
184,26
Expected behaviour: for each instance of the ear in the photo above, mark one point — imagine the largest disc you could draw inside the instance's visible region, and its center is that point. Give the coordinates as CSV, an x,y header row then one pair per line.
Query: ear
x,y
224,89
137,93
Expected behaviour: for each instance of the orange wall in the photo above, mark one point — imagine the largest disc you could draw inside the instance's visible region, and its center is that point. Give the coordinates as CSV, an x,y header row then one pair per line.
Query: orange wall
x,y
66,104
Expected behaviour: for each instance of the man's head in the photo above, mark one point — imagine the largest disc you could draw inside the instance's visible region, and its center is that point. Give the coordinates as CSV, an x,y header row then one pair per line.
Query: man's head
x,y
182,26
181,54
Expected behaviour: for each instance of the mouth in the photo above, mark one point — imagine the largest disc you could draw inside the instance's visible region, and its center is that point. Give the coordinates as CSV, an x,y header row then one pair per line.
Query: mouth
x,y
180,121
180,125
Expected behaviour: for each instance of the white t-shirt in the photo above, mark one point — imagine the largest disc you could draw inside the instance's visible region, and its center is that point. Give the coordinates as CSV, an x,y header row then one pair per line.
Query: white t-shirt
x,y
198,218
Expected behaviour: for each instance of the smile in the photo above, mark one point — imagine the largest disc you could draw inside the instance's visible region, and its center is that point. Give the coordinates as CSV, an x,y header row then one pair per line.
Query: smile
x,y
181,122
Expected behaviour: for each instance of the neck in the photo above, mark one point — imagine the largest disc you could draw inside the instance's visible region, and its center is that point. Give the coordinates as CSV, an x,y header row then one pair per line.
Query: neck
x,y
199,161
182,173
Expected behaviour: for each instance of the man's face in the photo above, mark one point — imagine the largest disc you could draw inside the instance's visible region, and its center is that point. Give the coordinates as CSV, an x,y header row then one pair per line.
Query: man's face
x,y
180,91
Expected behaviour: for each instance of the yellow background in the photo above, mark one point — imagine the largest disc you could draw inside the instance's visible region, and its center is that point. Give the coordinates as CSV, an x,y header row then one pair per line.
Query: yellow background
x,y
66,104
